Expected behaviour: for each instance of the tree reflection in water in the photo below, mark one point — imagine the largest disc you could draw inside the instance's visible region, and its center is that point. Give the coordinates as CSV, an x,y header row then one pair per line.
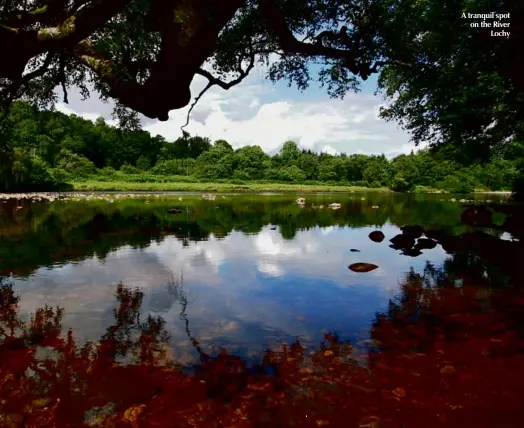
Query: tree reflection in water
x,y
448,352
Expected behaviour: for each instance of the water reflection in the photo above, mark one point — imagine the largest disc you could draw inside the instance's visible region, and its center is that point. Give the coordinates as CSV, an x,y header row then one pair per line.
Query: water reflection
x,y
439,354
259,270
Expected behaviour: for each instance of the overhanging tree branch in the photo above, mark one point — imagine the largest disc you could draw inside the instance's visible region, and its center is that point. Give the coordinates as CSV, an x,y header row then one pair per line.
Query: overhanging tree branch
x,y
277,23
20,44
212,80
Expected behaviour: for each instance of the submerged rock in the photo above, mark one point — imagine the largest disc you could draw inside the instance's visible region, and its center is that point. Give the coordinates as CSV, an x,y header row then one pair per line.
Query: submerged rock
x,y
175,211
362,267
376,236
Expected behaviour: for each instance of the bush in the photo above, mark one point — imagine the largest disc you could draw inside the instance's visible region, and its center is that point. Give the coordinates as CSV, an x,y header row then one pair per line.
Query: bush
x,y
361,183
75,164
288,173
422,189
39,176
143,163
107,171
457,183
240,175
400,184
129,169
174,167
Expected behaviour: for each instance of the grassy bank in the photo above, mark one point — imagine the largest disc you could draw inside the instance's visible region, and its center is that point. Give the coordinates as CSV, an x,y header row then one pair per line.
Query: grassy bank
x,y
125,186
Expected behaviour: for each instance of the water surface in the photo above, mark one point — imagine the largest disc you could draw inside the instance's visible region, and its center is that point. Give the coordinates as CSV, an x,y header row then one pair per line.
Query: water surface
x,y
250,271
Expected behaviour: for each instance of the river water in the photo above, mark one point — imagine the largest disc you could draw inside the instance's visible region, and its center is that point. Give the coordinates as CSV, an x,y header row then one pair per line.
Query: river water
x,y
242,272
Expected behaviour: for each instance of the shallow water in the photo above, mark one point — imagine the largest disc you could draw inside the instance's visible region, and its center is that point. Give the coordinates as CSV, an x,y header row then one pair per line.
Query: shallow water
x,y
251,271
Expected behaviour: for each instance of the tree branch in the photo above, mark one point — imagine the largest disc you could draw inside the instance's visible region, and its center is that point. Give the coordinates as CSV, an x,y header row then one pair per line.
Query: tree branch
x,y
289,44
212,80
20,45
209,85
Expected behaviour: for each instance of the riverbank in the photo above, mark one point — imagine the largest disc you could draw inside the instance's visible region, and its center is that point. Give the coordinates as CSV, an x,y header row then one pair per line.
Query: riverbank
x,y
124,186
253,186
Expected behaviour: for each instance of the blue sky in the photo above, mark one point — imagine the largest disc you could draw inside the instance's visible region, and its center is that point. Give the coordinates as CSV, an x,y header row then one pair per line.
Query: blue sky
x,y
266,114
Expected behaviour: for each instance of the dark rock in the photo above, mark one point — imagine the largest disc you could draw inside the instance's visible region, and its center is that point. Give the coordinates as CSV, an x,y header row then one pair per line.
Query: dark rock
x,y
402,241
452,244
362,267
273,228
354,250
412,252
437,235
414,231
376,236
425,244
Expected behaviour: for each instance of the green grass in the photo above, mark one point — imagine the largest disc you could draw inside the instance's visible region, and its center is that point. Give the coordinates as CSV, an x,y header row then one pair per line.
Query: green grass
x,y
124,186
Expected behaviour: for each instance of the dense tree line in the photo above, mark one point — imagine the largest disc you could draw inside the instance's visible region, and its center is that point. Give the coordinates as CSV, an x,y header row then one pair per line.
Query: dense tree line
x,y
46,148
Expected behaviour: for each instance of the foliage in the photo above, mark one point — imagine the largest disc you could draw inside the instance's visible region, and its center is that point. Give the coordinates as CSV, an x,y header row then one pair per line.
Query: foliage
x,y
131,50
174,167
478,112
129,169
102,149
74,163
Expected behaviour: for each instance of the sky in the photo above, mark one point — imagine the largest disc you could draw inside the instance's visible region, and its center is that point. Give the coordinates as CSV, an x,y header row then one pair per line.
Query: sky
x,y
258,112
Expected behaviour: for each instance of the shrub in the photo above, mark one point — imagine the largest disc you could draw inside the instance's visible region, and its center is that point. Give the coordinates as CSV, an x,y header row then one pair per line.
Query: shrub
x,y
174,167
400,184
75,164
129,169
457,183
107,171
143,163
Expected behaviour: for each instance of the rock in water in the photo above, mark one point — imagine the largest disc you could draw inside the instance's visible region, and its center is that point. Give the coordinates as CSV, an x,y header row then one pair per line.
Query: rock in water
x,y
414,231
362,267
425,244
412,252
403,242
376,236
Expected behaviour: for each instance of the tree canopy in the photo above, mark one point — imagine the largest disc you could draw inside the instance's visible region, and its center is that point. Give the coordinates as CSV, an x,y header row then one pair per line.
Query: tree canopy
x,y
465,86
449,81
48,148
145,53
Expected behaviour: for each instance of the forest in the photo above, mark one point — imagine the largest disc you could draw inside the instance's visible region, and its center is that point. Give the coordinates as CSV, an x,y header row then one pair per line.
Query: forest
x,y
48,149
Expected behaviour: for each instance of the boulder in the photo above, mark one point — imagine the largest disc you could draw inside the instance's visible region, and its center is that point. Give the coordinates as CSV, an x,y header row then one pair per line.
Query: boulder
x,y
425,244
402,241
414,231
376,236
362,267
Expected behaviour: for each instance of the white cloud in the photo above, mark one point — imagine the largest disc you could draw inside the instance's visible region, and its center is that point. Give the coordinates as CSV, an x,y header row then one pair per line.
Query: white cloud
x,y
329,150
256,112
